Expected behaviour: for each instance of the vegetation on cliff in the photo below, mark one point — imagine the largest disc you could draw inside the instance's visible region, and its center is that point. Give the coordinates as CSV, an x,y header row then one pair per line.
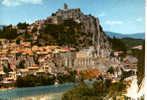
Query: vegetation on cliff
x,y
8,32
67,33
22,25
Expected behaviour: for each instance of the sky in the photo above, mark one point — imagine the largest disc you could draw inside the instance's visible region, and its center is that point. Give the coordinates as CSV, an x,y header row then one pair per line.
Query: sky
x,y
121,16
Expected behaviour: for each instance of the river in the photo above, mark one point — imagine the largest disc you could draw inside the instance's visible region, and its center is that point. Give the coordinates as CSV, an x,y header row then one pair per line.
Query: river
x,y
53,92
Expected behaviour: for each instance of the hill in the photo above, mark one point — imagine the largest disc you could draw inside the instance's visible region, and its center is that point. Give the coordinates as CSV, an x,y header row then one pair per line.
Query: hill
x,y
120,35
124,43
66,27
130,42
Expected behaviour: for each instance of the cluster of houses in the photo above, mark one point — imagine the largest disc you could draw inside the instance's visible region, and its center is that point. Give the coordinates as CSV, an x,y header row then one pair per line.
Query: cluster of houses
x,y
23,59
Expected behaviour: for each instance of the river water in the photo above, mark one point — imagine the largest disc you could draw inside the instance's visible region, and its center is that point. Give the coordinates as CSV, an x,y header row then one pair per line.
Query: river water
x,y
53,92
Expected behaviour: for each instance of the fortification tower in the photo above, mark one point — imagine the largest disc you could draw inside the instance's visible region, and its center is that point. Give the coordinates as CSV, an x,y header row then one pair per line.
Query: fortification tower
x,y
65,6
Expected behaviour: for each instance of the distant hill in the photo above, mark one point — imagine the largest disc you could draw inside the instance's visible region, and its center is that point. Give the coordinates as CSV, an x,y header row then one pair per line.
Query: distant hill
x,y
130,42
120,35
125,43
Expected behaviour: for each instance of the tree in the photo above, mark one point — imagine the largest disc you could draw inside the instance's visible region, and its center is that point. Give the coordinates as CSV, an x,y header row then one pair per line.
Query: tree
x,y
141,65
21,64
79,92
39,80
27,36
117,44
8,33
116,89
22,25
1,78
17,41
111,70
98,91
7,69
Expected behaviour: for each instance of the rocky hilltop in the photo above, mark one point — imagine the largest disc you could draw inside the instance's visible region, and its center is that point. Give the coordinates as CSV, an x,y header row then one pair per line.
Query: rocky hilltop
x,y
66,39
90,33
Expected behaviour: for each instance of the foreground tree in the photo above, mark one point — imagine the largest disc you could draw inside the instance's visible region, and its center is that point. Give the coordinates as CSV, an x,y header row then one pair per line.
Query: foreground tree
x,y
141,65
100,90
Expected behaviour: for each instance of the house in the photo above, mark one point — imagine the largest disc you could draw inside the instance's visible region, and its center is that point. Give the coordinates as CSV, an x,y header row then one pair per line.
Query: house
x,y
52,47
40,72
35,48
82,54
4,59
14,52
46,68
32,70
2,74
139,47
25,44
117,53
23,72
65,73
72,49
4,41
42,53
66,49
130,59
6,83
4,51
12,75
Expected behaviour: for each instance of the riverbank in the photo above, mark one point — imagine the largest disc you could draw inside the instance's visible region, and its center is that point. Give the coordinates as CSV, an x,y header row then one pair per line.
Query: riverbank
x,y
53,96
37,92
3,89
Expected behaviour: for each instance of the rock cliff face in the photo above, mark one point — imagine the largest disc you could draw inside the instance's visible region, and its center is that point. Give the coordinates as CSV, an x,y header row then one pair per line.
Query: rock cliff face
x,y
89,25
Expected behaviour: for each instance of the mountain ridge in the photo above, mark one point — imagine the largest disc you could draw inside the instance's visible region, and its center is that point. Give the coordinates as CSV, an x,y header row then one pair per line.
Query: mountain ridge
x,y
140,35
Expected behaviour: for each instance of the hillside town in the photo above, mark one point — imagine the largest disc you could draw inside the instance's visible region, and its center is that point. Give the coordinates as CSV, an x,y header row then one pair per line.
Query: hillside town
x,y
94,57
24,59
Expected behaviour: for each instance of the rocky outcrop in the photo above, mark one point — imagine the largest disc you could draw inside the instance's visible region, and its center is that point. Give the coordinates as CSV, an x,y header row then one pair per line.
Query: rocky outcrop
x,y
89,25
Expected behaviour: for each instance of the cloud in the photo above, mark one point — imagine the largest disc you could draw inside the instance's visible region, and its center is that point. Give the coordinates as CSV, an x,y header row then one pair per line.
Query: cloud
x,y
10,2
139,19
19,2
32,1
113,22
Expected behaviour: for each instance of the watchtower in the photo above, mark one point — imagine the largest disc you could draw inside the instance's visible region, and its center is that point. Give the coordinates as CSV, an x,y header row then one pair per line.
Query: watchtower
x,y
65,6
